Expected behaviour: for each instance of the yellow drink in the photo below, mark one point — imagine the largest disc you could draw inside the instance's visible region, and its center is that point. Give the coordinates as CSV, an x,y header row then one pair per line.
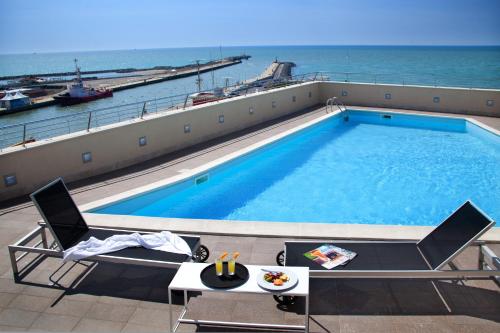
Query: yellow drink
x,y
218,266
231,265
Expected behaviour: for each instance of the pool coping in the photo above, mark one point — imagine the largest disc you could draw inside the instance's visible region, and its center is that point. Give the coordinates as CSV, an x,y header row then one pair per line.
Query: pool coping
x,y
269,229
263,228
456,116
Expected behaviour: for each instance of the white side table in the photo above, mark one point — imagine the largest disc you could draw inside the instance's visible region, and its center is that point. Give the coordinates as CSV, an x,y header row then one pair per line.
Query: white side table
x,y
188,279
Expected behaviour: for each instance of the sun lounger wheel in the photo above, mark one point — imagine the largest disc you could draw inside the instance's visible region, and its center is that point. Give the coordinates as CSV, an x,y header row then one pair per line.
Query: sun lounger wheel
x,y
201,255
280,258
284,300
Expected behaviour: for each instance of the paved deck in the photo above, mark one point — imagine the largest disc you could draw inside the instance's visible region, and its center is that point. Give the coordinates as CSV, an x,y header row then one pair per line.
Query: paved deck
x,y
109,297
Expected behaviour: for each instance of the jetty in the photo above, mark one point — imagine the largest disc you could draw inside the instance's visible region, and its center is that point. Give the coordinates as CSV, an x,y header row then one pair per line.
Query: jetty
x,y
132,78
150,76
277,70
119,70
273,76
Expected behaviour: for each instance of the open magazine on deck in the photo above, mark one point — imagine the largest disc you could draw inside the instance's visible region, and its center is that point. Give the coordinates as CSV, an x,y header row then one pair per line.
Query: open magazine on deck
x,y
330,256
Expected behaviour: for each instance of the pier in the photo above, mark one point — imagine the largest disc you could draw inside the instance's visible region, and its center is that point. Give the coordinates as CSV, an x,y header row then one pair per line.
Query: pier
x,y
150,76
277,70
133,78
119,70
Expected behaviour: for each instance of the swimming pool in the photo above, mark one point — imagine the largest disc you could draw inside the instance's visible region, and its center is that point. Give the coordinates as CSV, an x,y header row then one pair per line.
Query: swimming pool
x,y
360,167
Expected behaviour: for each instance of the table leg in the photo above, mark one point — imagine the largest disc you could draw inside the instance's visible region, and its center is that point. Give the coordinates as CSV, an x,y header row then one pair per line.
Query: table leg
x,y
170,309
306,324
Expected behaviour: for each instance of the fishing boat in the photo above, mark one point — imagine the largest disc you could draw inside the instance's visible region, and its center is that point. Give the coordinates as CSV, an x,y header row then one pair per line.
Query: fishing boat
x,y
78,93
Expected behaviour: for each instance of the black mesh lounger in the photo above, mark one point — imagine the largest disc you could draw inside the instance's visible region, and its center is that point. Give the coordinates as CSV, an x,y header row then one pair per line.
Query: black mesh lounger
x,y
68,227
406,259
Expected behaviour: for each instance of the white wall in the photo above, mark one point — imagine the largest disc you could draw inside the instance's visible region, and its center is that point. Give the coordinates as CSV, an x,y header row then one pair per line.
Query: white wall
x,y
116,146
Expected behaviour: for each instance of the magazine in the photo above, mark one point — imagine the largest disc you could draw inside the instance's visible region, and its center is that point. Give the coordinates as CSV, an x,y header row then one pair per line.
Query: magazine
x,y
330,256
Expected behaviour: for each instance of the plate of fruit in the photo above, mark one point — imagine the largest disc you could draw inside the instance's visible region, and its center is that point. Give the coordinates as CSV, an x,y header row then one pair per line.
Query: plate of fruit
x,y
277,280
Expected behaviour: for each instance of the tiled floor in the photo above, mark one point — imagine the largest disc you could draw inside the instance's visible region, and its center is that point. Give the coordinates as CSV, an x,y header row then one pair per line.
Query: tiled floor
x,y
112,298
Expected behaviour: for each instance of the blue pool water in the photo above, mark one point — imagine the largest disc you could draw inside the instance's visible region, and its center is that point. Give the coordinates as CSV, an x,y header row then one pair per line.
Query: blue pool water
x,y
406,170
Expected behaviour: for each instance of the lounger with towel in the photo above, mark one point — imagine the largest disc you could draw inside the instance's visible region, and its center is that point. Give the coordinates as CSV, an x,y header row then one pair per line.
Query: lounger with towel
x,y
68,227
406,259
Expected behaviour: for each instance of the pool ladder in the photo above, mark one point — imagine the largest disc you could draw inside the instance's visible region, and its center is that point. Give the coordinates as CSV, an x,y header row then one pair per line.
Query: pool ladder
x,y
334,101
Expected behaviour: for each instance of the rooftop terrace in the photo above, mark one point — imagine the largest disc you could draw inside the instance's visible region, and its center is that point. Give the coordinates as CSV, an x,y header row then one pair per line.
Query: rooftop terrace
x,y
113,297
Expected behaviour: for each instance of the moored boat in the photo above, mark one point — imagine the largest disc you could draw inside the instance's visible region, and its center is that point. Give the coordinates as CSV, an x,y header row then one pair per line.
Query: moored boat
x,y
78,93
207,96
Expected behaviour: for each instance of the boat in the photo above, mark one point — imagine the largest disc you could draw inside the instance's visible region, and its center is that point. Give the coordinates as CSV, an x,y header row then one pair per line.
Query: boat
x,y
207,96
78,93
202,97
32,80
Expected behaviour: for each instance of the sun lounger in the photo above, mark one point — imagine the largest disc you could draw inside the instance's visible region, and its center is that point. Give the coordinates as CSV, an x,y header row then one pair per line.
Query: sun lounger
x,y
68,227
426,258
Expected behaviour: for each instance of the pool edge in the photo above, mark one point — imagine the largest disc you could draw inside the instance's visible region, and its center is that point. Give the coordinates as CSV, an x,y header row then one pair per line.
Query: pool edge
x,y
203,168
270,229
263,228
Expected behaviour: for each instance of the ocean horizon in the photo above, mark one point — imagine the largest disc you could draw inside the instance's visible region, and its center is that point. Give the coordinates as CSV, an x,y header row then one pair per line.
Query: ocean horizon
x,y
50,62
451,66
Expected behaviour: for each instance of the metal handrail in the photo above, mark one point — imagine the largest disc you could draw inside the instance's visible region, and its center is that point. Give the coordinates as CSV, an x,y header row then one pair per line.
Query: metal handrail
x,y
327,104
183,96
334,101
87,112
20,134
85,120
314,76
423,79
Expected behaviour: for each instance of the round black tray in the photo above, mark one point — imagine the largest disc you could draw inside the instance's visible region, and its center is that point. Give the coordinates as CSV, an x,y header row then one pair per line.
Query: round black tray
x,y
224,281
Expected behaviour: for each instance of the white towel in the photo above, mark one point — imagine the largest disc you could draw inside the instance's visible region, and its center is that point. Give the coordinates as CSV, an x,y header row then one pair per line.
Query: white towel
x,y
162,241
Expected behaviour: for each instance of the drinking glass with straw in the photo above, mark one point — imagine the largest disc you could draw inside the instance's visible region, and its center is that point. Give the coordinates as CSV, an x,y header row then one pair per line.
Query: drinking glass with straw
x,y
231,265
218,264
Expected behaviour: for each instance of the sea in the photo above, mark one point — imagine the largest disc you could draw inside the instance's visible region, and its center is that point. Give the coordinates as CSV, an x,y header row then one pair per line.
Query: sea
x,y
456,66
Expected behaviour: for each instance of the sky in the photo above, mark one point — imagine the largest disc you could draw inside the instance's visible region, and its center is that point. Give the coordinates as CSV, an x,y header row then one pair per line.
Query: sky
x,y
76,25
